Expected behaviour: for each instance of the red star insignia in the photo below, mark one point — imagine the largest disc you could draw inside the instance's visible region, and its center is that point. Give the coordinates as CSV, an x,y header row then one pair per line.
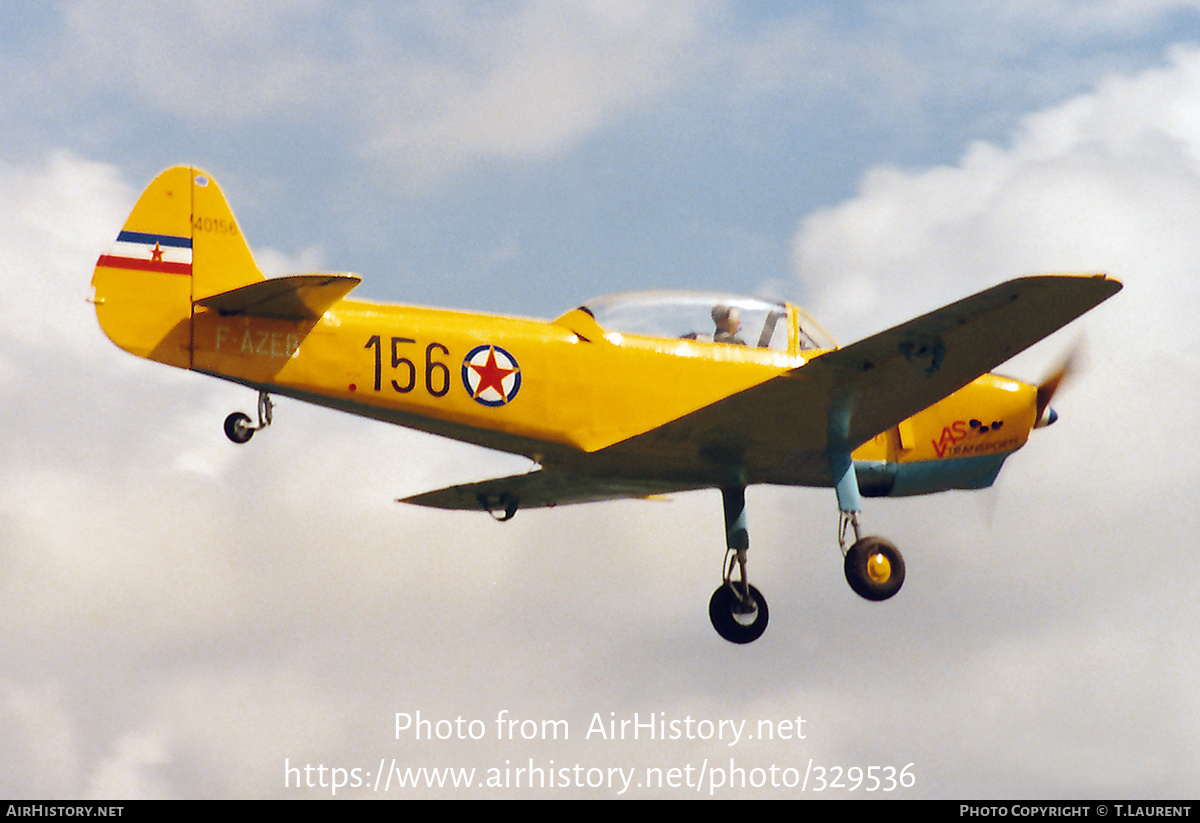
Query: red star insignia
x,y
156,253
491,376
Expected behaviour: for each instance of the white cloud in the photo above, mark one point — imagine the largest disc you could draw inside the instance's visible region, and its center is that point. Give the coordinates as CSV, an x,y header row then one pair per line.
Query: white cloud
x,y
426,89
1107,182
432,88
41,747
1091,509
276,264
213,63
55,222
536,81
129,771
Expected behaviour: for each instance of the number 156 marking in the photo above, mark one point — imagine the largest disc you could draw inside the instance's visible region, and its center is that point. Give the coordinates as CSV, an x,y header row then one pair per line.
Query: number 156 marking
x,y
437,373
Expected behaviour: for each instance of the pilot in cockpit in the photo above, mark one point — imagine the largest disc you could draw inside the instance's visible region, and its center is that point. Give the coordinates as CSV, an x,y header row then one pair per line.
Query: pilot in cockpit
x,y
728,322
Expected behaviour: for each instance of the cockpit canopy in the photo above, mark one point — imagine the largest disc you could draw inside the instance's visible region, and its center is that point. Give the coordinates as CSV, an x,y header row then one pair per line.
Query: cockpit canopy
x,y
708,316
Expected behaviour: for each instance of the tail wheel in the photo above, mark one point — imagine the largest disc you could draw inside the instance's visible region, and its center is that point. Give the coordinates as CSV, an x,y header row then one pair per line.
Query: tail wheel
x,y
238,427
738,618
874,568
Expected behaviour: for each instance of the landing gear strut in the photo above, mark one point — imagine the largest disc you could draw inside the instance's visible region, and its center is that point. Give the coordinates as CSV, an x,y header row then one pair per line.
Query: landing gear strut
x,y
874,567
738,611
238,427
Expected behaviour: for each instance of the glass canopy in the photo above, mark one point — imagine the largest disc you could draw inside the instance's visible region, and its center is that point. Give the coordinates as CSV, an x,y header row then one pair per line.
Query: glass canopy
x,y
709,316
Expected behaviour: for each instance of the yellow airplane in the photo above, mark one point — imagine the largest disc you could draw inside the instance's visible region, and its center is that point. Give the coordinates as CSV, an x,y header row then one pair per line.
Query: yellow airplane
x,y
627,396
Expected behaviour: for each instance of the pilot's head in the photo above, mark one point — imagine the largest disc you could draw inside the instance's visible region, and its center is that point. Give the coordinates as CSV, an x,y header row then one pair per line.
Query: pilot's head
x,y
726,319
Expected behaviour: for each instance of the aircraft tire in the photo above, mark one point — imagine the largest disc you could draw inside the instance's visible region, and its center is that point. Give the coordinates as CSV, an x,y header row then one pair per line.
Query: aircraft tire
x,y
238,428
874,579
734,627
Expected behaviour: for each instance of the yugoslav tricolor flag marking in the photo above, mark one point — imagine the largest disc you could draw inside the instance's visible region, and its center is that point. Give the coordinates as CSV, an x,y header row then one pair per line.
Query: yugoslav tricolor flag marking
x,y
164,253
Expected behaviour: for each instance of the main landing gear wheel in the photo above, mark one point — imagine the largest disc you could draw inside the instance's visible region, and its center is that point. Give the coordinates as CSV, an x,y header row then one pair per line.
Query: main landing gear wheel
x,y
738,616
874,568
738,611
238,427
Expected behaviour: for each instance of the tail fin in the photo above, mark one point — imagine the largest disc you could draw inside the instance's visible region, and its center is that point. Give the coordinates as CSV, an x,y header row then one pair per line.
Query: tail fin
x,y
180,244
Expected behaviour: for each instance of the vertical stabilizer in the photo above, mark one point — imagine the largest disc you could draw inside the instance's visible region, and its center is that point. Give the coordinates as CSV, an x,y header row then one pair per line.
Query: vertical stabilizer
x,y
180,243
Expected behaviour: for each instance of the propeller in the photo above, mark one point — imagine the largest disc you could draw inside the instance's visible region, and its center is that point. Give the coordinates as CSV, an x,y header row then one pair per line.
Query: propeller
x,y
1071,362
1046,389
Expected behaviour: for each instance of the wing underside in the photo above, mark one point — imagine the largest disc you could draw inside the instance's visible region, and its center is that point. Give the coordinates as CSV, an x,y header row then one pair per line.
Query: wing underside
x,y
885,379
543,487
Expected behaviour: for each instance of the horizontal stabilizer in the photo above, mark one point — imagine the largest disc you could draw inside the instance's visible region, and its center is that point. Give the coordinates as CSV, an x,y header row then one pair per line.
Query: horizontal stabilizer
x,y
537,489
297,297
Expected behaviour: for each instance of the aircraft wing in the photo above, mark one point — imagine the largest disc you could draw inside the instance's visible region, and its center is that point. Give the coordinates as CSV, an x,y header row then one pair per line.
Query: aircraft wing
x,y
298,297
784,429
543,487
885,379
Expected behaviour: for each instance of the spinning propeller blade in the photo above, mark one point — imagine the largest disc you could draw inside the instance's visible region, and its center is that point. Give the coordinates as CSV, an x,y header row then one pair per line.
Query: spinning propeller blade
x,y
1048,387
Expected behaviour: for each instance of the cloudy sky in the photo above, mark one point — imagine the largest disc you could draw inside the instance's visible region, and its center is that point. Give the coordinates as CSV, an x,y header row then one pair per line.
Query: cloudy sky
x,y
187,618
